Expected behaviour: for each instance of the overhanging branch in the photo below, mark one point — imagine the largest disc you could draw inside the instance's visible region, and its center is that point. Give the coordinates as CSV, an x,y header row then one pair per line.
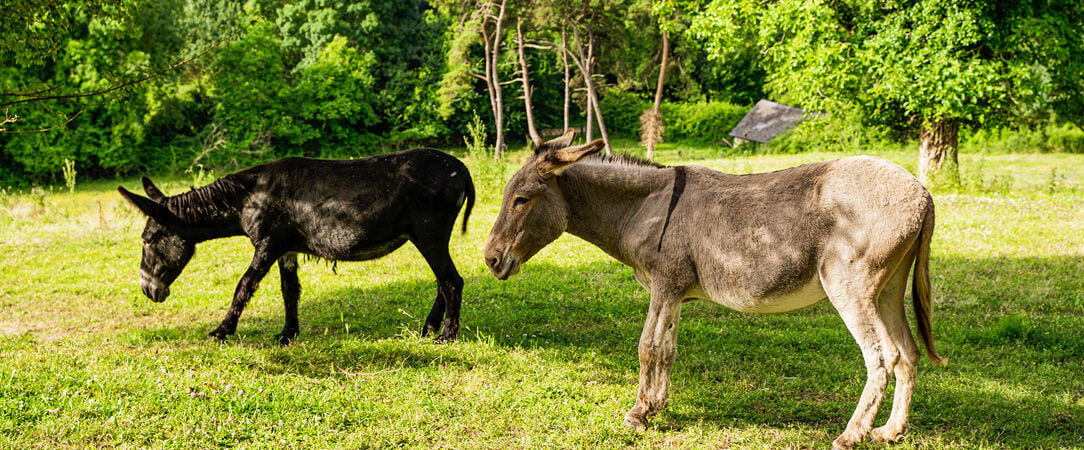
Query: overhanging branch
x,y
33,97
41,130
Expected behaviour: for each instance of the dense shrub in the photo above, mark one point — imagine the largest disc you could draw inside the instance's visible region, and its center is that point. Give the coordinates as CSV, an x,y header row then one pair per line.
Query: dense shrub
x,y
1064,138
835,133
703,122
1053,138
621,111
706,122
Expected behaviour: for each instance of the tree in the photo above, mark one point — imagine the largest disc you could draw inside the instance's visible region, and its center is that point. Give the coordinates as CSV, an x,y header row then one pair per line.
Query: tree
x,y
478,20
921,66
34,29
584,60
528,107
40,36
651,123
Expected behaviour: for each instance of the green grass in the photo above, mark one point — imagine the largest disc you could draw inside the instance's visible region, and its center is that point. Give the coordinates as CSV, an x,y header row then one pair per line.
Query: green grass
x,y
546,359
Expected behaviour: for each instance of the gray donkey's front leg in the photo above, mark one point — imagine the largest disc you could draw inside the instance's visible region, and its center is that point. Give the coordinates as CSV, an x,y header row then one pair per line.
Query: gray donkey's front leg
x,y
657,349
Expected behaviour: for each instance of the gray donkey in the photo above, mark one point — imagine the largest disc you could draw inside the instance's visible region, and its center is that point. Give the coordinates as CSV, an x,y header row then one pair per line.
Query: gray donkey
x,y
848,230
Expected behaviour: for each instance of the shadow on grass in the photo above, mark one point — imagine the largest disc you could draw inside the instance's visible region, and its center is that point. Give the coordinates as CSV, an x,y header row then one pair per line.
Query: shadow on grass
x,y
1009,382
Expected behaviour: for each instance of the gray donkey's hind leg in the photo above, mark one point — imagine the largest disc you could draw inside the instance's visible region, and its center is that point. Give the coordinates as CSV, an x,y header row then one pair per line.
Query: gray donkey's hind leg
x,y
894,317
855,296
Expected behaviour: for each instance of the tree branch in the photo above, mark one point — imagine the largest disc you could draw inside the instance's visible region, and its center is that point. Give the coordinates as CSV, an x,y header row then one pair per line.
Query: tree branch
x,y
8,119
150,76
39,130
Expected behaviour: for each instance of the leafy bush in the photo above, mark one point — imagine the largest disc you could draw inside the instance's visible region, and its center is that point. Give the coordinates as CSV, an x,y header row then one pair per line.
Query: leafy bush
x,y
706,122
836,133
1052,138
621,111
1064,139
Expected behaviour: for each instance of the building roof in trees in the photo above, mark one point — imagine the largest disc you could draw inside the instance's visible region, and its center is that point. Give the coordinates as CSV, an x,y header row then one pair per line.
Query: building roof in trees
x,y
766,120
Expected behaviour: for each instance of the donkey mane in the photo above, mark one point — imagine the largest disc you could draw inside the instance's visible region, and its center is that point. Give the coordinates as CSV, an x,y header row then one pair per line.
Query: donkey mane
x,y
624,159
210,200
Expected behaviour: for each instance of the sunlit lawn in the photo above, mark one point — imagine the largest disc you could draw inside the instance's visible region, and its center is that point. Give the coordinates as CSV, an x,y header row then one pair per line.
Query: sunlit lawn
x,y
546,359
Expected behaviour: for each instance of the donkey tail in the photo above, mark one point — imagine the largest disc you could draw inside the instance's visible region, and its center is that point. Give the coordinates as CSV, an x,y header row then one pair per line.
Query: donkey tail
x,y
920,288
469,181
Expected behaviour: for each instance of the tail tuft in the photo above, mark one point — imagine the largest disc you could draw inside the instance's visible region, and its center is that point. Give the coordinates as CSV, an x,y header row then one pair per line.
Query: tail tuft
x,y
470,197
920,288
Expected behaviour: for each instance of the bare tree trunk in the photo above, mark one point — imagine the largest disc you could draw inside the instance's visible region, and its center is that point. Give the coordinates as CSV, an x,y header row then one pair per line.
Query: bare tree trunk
x,y
568,76
589,110
654,135
488,62
937,159
531,130
498,116
585,67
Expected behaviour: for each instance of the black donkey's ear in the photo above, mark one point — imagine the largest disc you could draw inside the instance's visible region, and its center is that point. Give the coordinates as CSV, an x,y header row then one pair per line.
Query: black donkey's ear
x,y
149,207
152,191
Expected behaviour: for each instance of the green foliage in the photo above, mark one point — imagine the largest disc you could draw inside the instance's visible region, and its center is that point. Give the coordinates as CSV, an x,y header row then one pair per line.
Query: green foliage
x,y
317,78
1051,138
704,122
69,175
621,111
34,30
476,139
902,64
836,133
250,85
350,78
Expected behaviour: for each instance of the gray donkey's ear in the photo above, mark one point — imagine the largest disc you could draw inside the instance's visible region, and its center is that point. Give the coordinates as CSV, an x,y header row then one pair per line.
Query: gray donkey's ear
x,y
152,191
558,143
149,207
554,162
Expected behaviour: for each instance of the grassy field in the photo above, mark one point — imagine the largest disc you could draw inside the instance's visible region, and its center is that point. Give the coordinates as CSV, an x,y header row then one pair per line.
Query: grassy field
x,y
546,359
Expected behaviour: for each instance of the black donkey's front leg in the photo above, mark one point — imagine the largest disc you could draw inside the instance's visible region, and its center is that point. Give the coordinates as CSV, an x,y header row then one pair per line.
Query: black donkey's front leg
x,y
449,290
250,281
291,292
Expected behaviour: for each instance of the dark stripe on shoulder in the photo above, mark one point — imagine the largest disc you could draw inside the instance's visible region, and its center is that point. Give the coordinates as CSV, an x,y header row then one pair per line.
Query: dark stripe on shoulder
x,y
675,195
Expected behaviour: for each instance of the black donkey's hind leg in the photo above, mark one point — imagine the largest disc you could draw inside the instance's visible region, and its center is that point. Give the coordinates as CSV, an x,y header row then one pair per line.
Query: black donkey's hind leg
x,y
291,292
449,289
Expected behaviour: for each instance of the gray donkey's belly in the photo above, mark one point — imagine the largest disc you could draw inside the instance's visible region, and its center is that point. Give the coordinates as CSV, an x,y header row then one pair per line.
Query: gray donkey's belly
x,y
804,295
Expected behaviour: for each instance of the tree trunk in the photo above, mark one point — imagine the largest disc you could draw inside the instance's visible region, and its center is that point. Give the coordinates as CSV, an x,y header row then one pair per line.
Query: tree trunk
x,y
498,116
585,67
937,161
488,62
588,129
655,135
531,130
568,77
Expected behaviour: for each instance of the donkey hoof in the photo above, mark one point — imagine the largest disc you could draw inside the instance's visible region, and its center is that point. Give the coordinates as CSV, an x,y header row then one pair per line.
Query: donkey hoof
x,y
635,423
844,443
884,434
429,329
218,335
448,334
285,338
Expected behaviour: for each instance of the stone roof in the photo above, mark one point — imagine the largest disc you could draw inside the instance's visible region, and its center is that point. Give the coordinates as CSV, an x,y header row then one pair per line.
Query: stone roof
x,y
766,120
